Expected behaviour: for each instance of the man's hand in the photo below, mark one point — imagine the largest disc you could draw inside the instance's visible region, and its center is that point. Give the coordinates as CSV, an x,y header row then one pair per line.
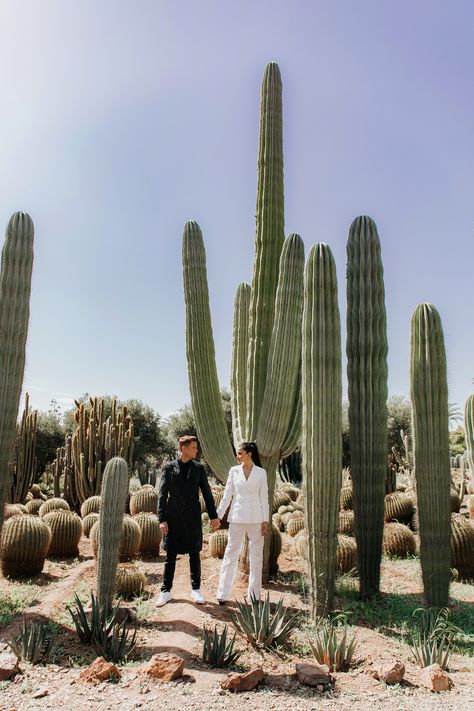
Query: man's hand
x,y
264,528
215,523
164,528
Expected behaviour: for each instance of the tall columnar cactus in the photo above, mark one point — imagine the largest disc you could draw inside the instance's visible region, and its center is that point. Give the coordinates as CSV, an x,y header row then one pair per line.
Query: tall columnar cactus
x,y
96,440
469,428
114,497
322,422
15,287
429,396
24,460
367,374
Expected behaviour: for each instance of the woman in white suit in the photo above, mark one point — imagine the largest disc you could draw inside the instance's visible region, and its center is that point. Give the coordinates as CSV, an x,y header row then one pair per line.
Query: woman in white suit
x,y
247,488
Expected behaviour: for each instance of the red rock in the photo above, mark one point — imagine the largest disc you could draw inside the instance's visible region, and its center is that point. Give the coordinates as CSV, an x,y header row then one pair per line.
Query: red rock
x,y
98,671
390,673
313,674
9,664
39,694
164,666
435,678
243,682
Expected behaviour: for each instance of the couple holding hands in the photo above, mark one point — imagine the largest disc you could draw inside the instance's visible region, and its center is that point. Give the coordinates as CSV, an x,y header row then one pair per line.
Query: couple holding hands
x,y
179,512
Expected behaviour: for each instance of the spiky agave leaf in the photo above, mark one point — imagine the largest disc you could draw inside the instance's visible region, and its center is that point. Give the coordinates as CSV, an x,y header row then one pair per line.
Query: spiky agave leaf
x,y
261,626
218,651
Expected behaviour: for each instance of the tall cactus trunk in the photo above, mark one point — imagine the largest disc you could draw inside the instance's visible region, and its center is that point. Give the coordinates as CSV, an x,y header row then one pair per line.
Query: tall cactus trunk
x,y
469,428
367,386
15,288
114,498
238,371
429,394
269,236
322,422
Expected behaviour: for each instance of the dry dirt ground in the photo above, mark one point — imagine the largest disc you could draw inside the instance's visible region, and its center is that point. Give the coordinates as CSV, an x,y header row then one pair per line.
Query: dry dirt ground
x,y
178,628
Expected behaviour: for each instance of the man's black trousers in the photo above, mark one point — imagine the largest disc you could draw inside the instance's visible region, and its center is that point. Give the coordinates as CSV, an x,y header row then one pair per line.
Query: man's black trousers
x,y
170,565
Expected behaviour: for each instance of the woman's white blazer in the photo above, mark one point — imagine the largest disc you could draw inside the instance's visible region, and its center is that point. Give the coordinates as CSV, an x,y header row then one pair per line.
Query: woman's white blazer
x,y
249,496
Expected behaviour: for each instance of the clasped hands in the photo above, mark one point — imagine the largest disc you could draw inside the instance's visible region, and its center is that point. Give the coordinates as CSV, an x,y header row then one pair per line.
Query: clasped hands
x,y
215,523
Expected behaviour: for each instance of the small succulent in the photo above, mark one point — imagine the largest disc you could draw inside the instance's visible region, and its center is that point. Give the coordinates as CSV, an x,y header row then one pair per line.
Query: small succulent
x,y
34,643
433,637
217,650
262,626
332,644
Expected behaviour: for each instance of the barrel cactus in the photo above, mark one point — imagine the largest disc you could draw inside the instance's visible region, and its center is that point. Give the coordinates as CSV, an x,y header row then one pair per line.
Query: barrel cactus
x,y
129,540
88,521
33,506
275,549
455,501
218,543
280,498
429,396
301,543
294,526
66,532
53,505
398,506
130,581
345,499
90,505
346,523
145,499
10,510
23,546
36,492
346,554
150,533
398,540
462,546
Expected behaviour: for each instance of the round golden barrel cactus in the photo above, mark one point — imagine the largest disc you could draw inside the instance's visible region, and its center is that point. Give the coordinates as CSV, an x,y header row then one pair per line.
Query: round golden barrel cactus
x,y
53,505
398,540
151,533
66,532
24,543
218,543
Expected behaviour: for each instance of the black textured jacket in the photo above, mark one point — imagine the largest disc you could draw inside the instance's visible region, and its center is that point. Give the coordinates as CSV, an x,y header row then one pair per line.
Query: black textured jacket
x,y
179,506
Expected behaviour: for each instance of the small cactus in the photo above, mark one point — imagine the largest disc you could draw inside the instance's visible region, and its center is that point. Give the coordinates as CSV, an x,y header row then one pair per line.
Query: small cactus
x,y
398,507
294,526
150,533
462,546
88,521
23,546
130,581
90,505
218,543
66,532
33,506
398,540
53,505
145,499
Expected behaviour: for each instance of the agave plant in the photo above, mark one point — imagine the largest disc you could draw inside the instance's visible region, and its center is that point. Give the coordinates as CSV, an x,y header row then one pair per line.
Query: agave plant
x,y
110,638
217,650
332,644
433,637
34,643
262,626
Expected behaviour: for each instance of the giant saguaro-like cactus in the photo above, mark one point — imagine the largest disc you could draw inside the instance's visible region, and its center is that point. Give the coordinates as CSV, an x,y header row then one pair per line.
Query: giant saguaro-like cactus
x,y
15,288
429,396
322,422
114,497
367,387
23,467
469,428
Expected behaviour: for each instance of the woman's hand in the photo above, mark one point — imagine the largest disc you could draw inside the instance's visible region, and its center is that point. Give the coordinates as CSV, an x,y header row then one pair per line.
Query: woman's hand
x,y
264,528
164,528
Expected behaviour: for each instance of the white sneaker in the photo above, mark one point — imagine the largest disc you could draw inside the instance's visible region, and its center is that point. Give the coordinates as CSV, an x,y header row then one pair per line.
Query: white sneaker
x,y
197,597
163,598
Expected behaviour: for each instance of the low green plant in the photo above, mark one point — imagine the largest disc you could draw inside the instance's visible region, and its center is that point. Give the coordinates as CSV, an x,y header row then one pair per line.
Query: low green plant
x,y
433,637
110,638
262,626
34,643
218,650
332,643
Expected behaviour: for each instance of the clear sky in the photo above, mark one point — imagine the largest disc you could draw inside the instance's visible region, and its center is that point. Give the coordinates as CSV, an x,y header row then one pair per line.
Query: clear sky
x,y
123,119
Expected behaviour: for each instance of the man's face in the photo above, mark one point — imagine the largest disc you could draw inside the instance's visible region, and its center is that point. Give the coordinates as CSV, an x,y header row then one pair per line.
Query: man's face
x,y
190,450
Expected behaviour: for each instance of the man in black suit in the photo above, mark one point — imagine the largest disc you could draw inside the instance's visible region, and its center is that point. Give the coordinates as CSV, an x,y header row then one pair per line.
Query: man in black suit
x,y
179,512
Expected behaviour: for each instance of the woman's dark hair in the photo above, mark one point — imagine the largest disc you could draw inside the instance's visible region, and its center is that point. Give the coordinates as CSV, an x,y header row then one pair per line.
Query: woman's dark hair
x,y
252,448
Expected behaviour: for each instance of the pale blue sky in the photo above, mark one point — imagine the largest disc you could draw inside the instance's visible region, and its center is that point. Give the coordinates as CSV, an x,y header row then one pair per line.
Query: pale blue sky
x,y
121,120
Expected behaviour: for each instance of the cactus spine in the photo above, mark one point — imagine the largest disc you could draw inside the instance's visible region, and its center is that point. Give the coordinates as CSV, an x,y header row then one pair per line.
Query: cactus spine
x,y
429,396
367,388
15,288
322,422
469,428
114,497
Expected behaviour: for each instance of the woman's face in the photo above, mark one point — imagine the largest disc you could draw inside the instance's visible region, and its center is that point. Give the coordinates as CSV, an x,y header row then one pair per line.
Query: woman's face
x,y
243,457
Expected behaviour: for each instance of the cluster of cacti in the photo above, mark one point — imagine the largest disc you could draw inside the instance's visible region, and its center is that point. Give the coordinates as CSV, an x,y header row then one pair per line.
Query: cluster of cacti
x,y
15,287
150,533
280,498
218,543
52,505
130,581
290,489
322,422
266,356
88,521
109,533
398,540
462,546
24,543
145,499
398,507
66,532
23,467
90,505
346,523
63,469
367,373
96,440
429,396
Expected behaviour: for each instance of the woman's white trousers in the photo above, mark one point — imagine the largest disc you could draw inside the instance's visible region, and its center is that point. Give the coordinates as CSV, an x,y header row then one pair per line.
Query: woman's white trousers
x,y
235,539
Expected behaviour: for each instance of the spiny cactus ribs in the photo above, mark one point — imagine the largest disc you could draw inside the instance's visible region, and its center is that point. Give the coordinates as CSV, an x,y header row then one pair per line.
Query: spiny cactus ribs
x,y
24,543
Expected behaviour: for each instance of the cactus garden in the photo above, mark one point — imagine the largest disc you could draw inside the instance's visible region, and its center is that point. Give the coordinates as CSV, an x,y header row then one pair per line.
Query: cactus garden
x,y
368,558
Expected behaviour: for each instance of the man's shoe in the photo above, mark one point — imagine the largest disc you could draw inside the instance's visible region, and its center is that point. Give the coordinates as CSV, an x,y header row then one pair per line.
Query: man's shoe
x,y
163,598
197,597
